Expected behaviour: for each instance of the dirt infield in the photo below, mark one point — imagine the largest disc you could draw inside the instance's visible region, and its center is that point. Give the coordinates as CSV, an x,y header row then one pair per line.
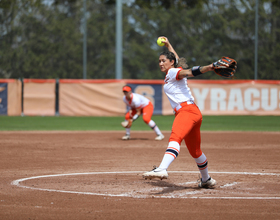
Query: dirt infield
x,y
96,175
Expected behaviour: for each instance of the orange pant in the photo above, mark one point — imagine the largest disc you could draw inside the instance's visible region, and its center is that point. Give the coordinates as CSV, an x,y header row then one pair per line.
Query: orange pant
x,y
186,126
146,112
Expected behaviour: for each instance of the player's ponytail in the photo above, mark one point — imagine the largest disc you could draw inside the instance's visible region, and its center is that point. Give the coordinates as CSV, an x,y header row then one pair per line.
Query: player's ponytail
x,y
182,62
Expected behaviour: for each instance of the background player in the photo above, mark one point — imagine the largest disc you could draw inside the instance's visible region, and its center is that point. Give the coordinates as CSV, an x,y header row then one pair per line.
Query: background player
x,y
188,118
139,105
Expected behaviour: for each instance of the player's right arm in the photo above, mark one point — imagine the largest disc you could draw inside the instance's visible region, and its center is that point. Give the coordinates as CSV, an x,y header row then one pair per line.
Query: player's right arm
x,y
186,72
169,47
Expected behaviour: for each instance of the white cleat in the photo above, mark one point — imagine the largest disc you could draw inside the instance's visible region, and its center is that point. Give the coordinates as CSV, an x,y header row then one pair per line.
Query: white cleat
x,y
126,137
208,184
156,173
159,137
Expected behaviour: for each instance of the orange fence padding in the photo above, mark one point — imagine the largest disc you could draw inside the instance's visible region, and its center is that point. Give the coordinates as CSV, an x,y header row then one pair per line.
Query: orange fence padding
x,y
237,97
10,97
88,98
39,97
104,97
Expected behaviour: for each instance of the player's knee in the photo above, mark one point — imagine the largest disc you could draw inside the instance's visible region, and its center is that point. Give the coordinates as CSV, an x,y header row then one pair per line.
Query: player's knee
x,y
146,120
175,138
195,153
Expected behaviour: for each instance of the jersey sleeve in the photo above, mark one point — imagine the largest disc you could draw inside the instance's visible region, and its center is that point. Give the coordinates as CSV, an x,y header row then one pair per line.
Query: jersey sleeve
x,y
174,73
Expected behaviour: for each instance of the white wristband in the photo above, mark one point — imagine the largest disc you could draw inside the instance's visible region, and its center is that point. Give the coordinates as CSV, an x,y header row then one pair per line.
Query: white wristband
x,y
135,117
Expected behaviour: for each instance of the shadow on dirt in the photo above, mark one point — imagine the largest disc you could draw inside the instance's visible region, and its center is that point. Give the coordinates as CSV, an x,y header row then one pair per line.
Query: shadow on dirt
x,y
169,187
138,139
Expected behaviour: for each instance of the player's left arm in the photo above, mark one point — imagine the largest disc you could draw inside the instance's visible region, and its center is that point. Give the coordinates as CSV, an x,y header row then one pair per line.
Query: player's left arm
x,y
196,70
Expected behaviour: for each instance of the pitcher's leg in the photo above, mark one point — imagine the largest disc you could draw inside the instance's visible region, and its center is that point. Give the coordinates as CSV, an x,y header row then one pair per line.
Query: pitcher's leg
x,y
193,142
170,155
182,125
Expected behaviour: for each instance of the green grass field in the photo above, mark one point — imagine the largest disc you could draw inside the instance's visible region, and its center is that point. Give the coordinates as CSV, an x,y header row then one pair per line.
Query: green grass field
x,y
210,123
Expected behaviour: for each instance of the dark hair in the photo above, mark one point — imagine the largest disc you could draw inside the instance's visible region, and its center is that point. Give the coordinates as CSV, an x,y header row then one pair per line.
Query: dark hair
x,y
177,63
171,56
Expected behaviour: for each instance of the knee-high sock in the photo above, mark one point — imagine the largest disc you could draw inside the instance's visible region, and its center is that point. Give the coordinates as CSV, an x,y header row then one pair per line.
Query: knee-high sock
x,y
170,155
202,165
153,126
127,131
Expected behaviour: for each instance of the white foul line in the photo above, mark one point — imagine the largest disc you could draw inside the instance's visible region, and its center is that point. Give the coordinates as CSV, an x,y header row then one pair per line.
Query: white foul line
x,y
17,183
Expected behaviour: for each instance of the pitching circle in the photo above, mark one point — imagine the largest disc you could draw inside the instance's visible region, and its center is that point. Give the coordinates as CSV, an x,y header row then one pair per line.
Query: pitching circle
x,y
193,194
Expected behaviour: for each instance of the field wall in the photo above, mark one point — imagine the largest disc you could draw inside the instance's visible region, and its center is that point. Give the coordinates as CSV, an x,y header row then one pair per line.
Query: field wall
x,y
69,97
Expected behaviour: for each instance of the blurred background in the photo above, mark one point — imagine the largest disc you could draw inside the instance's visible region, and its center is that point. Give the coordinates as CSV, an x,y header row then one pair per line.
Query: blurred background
x,y
77,39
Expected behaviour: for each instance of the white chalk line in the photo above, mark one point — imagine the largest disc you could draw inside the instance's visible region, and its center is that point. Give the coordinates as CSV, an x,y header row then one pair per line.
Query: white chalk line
x,y
228,184
17,183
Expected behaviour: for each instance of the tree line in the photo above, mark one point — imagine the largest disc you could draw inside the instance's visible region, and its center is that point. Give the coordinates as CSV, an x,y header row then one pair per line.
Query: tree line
x,y
43,39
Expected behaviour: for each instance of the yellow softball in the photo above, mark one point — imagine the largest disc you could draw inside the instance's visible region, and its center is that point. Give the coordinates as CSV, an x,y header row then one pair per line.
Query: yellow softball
x,y
159,41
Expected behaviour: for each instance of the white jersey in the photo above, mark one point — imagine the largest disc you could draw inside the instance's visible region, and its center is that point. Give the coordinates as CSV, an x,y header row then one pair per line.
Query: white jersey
x,y
177,90
137,101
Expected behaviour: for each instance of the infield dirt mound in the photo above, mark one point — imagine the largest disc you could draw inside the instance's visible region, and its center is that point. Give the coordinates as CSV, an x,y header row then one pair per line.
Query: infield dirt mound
x,y
33,154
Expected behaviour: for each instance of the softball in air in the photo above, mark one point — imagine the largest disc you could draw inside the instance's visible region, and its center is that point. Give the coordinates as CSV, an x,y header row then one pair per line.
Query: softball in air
x,y
159,41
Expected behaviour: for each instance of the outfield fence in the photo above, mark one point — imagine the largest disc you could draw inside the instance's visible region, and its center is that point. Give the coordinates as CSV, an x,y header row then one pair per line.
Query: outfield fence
x,y
74,97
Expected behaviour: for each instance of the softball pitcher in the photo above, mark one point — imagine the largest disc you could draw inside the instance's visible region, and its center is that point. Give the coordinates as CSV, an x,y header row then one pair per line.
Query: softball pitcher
x,y
138,105
188,118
